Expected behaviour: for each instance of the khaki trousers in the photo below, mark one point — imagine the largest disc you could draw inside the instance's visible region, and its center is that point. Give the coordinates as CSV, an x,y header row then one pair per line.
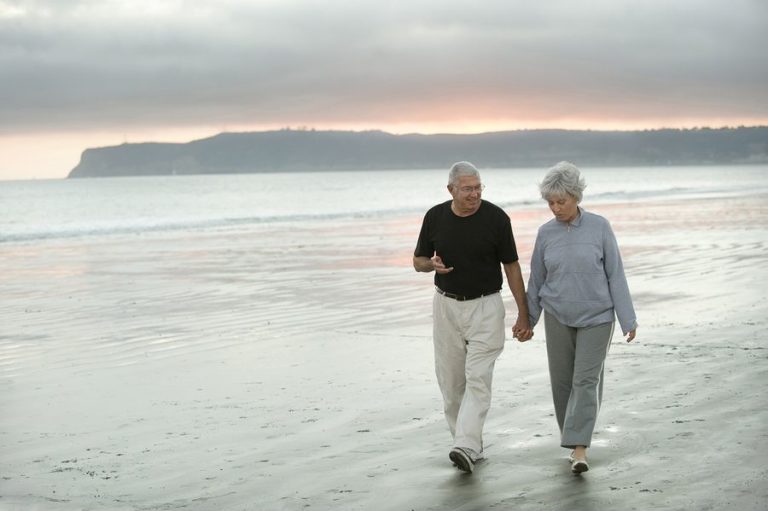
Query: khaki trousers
x,y
468,338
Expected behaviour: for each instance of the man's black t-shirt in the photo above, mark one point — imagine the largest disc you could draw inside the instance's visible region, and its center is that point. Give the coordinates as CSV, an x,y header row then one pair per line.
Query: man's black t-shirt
x,y
474,245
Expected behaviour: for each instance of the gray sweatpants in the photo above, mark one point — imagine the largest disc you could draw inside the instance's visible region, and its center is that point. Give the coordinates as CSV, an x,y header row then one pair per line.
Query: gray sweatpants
x,y
576,358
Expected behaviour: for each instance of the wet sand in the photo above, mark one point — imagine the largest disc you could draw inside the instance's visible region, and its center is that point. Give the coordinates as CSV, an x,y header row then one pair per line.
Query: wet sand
x,y
290,367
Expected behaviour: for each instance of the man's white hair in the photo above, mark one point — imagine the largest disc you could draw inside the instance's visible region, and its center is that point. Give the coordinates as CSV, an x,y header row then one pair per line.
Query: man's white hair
x,y
459,169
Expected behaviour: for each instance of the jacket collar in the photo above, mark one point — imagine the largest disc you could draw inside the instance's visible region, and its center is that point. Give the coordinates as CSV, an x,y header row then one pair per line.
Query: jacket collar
x,y
576,222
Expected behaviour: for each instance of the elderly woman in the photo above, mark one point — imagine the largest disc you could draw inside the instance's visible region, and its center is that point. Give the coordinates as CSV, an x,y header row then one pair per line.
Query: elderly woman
x,y
577,280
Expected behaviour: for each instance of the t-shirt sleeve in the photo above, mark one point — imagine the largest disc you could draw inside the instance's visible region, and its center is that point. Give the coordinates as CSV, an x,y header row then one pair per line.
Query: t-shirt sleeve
x,y
507,247
424,246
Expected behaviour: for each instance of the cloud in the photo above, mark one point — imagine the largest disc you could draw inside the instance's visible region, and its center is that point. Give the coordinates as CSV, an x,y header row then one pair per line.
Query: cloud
x,y
99,64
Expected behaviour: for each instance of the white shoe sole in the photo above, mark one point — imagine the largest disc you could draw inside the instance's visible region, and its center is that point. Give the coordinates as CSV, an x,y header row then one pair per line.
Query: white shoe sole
x,y
462,460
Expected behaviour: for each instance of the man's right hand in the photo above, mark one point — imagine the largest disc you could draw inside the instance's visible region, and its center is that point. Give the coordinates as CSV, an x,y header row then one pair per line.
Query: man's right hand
x,y
437,263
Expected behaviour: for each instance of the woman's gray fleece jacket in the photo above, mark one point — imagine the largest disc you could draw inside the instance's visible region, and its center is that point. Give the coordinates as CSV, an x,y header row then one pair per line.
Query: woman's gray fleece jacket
x,y
577,274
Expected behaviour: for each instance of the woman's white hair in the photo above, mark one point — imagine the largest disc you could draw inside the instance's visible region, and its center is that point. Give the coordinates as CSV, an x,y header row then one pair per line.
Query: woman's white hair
x,y
459,169
564,178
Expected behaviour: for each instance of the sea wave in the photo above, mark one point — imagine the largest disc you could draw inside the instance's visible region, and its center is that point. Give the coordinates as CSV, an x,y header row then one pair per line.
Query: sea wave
x,y
33,212
119,228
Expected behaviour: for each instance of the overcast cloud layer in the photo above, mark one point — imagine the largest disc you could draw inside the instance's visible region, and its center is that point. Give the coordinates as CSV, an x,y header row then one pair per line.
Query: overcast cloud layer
x,y
85,64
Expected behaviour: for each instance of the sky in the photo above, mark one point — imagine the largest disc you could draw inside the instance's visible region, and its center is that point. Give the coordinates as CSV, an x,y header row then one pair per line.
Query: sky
x,y
76,74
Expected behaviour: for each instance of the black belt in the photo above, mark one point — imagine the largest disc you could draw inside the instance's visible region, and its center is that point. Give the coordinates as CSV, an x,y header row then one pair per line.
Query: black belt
x,y
463,298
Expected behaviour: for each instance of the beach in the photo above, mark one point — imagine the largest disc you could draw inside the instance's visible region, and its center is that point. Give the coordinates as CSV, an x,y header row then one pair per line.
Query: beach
x,y
289,366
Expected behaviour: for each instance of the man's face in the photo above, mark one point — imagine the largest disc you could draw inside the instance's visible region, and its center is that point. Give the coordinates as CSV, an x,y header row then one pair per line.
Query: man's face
x,y
466,193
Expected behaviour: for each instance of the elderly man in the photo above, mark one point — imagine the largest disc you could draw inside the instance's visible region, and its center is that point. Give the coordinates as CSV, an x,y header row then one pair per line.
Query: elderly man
x,y
466,241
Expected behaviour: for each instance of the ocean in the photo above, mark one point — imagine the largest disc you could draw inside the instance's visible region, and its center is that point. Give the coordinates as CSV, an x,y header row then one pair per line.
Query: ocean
x,y
192,342
46,210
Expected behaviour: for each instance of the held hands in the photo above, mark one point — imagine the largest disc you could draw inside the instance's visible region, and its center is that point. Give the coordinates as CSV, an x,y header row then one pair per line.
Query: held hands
x,y
437,263
522,330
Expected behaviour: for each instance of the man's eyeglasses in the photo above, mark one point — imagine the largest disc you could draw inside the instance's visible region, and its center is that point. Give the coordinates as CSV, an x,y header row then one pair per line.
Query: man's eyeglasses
x,y
470,189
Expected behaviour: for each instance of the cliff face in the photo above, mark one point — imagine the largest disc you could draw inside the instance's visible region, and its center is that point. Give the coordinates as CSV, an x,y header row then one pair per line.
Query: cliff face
x,y
288,150
128,160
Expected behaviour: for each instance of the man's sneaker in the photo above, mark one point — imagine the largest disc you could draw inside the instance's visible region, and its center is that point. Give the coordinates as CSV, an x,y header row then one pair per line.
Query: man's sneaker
x,y
462,459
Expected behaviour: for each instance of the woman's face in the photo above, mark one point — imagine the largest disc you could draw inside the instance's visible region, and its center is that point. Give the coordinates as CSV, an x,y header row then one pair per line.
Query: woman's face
x,y
564,207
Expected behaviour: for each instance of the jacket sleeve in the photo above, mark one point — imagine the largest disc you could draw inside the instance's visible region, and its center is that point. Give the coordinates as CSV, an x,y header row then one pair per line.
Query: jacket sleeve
x,y
617,281
535,281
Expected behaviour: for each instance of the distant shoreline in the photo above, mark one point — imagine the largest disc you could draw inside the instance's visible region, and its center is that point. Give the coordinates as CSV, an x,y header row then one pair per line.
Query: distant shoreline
x,y
309,151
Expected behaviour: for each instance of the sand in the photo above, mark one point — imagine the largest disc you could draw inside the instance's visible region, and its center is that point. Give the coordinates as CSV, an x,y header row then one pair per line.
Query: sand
x,y
290,367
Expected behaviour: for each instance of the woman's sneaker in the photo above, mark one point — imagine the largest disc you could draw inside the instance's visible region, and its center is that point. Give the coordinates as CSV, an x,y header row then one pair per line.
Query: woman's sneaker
x,y
579,466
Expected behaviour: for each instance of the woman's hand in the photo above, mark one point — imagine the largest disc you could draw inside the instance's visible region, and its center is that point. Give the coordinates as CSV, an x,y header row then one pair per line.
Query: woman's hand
x,y
522,330
631,335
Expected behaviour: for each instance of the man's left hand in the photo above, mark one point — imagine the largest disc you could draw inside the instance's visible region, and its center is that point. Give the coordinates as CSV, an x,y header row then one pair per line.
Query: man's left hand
x,y
522,330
